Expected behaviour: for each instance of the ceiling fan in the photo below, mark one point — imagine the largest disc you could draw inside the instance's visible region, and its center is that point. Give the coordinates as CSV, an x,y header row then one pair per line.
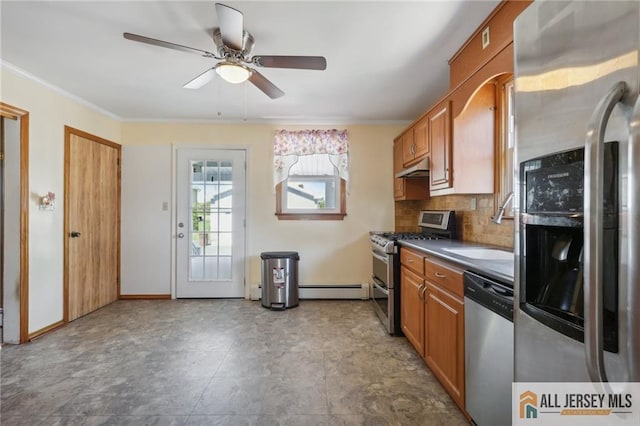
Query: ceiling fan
x,y
234,45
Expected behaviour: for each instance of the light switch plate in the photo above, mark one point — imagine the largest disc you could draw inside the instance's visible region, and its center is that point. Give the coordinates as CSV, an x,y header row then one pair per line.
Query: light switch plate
x,y
485,38
165,206
474,203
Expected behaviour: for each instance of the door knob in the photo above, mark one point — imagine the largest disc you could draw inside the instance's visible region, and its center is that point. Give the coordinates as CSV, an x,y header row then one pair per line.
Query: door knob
x,y
74,234
181,235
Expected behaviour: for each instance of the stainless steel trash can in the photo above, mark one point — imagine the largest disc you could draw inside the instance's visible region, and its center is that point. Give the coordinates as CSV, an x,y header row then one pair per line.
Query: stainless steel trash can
x,y
280,279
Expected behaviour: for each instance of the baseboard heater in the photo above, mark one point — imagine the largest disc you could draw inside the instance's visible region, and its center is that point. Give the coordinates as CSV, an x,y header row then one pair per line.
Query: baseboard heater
x,y
319,291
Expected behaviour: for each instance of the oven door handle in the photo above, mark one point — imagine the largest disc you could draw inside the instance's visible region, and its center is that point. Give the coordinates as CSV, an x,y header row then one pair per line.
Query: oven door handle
x,y
380,285
383,259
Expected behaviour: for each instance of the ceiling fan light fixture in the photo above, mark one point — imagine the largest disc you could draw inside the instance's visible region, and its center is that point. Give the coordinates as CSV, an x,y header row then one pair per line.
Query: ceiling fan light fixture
x,y
232,72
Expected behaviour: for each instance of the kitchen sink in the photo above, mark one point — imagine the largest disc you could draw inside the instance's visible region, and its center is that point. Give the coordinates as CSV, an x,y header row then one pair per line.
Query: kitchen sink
x,y
481,253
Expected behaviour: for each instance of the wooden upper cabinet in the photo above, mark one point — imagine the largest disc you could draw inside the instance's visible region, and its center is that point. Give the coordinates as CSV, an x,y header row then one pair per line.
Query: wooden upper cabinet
x,y
406,189
407,147
398,183
421,138
474,143
440,143
415,143
497,29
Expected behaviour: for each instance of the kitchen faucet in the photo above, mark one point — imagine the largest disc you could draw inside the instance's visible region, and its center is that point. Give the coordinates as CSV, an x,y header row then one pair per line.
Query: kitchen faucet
x,y
498,217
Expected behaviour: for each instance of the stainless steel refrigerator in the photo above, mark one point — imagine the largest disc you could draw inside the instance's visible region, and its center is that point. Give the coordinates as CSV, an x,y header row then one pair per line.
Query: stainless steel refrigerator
x,y
577,222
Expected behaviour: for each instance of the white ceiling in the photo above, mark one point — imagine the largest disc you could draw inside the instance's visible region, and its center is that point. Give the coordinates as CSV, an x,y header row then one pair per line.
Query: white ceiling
x,y
386,61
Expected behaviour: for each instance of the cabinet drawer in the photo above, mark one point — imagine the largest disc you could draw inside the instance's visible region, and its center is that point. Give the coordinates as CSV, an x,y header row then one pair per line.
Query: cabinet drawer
x,y
444,276
412,260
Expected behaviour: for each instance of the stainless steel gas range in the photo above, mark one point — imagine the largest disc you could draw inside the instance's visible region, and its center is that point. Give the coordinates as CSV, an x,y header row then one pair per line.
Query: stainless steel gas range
x,y
385,280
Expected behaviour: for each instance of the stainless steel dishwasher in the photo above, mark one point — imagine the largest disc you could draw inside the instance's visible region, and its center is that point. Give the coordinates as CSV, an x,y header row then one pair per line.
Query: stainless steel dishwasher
x,y
488,337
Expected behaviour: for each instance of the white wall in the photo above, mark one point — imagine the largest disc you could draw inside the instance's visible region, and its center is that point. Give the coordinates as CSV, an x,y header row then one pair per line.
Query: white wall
x,y
49,111
331,252
146,227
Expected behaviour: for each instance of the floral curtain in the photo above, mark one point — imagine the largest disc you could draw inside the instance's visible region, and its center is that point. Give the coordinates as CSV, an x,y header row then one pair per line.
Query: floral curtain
x,y
288,146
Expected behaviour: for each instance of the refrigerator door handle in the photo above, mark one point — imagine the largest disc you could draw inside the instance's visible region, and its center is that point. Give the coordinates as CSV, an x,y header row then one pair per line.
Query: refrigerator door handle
x,y
633,238
593,200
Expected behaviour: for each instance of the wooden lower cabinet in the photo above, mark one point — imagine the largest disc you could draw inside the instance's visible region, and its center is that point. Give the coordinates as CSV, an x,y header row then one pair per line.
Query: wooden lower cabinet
x,y
412,311
444,344
432,318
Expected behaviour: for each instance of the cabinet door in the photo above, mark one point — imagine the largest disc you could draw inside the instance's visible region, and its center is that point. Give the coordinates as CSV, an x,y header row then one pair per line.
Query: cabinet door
x,y
406,189
440,142
412,308
408,147
398,183
444,340
421,137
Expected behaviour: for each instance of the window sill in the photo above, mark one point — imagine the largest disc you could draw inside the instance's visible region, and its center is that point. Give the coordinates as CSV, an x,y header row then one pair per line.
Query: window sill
x,y
311,216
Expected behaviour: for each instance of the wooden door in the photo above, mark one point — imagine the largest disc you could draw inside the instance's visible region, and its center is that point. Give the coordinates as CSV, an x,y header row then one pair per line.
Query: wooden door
x,y
92,223
444,341
412,309
440,142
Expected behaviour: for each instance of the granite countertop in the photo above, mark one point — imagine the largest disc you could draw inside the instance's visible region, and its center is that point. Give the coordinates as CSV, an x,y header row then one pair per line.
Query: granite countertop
x,y
501,270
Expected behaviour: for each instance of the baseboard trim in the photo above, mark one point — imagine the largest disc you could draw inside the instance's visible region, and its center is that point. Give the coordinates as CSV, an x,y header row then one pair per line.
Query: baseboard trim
x,y
145,297
324,291
45,330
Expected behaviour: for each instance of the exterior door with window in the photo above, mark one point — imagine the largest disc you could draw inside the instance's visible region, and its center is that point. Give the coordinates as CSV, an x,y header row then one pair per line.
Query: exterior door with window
x,y
210,241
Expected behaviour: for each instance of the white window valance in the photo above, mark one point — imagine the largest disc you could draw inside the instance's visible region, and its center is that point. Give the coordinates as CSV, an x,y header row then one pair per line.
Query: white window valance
x,y
289,146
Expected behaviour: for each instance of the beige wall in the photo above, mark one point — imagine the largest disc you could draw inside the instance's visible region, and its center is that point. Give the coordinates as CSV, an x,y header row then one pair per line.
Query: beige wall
x,y
49,111
332,252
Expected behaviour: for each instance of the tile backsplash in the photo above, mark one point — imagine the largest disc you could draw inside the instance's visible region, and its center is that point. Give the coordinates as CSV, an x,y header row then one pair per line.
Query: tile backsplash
x,y
473,225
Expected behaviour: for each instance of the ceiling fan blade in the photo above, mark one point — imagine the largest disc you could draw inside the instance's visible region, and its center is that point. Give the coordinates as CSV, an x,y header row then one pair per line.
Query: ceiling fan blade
x,y
174,46
299,62
201,80
261,82
231,26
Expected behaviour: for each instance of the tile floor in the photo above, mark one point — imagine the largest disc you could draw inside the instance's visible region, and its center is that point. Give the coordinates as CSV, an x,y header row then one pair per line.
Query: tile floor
x,y
221,362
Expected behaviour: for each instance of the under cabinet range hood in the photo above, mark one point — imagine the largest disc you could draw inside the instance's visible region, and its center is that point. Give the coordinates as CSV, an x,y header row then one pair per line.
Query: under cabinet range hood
x,y
418,170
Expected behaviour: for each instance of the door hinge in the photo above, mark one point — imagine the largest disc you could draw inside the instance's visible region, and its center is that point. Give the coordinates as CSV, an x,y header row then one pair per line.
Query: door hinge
x,y
118,161
1,156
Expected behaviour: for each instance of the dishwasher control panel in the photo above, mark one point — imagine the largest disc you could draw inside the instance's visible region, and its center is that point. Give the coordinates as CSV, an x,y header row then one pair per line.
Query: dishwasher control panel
x,y
489,293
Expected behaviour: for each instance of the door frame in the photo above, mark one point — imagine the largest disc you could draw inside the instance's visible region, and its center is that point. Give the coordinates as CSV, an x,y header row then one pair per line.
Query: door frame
x,y
174,209
68,131
15,113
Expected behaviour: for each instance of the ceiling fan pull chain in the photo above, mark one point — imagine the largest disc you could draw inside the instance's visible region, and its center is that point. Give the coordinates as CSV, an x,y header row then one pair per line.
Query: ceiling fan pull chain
x,y
245,101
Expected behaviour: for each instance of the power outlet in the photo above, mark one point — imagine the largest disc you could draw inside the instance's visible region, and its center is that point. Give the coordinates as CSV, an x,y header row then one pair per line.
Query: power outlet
x,y
473,205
